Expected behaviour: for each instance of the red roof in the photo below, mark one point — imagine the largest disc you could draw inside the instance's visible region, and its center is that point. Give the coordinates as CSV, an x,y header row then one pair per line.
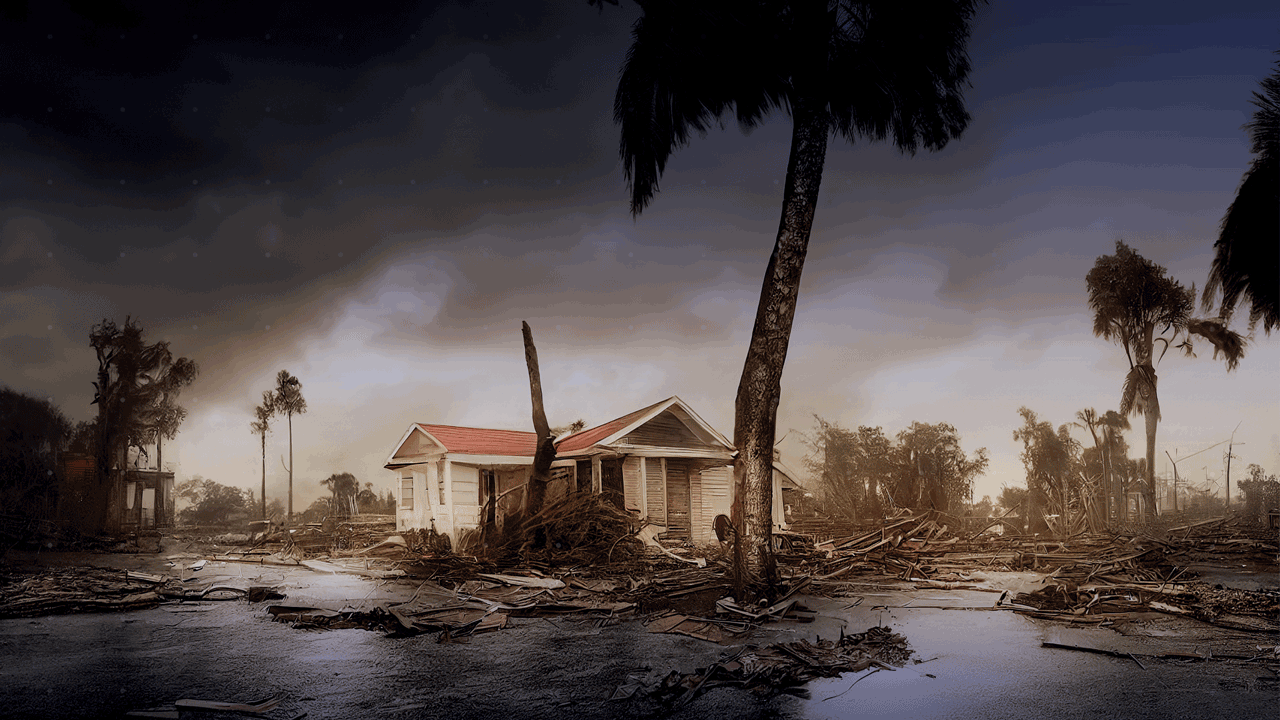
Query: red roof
x,y
587,438
480,441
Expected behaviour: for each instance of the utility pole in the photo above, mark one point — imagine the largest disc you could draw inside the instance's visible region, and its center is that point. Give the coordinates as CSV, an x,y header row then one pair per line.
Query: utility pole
x,y
1230,445
1175,469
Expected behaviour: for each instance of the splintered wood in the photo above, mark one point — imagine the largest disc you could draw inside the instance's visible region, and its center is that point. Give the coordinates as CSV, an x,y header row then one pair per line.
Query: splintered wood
x,y
777,668
73,590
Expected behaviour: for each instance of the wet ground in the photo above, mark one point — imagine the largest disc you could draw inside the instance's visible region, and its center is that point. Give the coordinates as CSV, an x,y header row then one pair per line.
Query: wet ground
x,y
976,662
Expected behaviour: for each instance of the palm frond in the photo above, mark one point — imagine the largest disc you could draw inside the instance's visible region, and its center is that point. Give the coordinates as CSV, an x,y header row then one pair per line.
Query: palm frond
x,y
899,70
1227,342
871,69
1246,263
1138,395
687,66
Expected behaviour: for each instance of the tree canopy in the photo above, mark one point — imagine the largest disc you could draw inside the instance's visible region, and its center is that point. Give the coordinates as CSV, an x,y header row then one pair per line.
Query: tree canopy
x,y
344,488
862,471
212,503
1246,262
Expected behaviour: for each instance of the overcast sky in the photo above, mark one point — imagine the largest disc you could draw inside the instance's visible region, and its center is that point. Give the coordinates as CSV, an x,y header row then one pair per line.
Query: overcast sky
x,y
375,200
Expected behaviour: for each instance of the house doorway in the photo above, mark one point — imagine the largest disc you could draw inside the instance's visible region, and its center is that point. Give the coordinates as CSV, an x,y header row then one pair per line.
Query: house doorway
x,y
678,505
611,481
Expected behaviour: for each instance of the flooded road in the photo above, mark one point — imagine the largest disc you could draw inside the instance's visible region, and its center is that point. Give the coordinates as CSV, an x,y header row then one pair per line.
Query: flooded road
x,y
978,663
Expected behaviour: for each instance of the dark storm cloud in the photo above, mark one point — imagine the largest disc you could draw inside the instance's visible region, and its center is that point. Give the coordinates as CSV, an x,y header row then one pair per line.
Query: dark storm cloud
x,y
212,93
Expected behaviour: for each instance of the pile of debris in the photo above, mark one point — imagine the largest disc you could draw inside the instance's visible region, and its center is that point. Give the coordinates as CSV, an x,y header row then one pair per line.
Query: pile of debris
x,y
924,547
476,605
58,591
778,668
578,529
1246,610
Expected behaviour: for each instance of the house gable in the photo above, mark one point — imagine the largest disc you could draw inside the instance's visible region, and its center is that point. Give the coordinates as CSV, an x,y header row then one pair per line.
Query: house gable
x,y
666,426
666,429
415,446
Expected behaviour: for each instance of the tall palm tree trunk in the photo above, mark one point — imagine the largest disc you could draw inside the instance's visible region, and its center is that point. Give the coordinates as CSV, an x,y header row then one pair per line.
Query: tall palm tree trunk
x,y
1149,486
290,416
756,406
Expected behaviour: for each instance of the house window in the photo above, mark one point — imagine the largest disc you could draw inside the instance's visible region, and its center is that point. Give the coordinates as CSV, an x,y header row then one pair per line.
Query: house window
x,y
406,492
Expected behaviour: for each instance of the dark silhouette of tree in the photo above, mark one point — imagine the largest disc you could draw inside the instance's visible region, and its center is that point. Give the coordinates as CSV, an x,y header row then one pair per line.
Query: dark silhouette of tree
x,y
1137,306
33,435
861,69
260,426
288,401
1246,263
136,390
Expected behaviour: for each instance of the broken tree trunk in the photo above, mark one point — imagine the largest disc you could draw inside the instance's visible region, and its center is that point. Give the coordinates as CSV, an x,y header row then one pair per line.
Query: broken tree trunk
x,y
546,452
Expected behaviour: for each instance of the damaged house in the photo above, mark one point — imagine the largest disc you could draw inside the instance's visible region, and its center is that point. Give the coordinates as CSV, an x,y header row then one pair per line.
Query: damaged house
x,y
663,463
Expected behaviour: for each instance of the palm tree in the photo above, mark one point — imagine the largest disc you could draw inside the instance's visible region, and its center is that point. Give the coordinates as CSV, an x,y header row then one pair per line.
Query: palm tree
x,y
871,70
287,400
1112,424
1135,305
261,426
1246,264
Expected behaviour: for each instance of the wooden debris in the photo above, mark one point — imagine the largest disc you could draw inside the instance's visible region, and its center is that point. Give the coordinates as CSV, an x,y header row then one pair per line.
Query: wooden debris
x,y
778,668
257,708
56,591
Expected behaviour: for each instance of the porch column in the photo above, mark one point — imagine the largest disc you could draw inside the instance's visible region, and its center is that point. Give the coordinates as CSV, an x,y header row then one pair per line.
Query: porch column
x,y
596,487
644,486
448,500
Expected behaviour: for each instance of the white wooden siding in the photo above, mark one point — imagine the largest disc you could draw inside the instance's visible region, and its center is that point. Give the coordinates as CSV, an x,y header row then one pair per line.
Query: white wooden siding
x,y
631,479
466,496
655,485
695,506
717,497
